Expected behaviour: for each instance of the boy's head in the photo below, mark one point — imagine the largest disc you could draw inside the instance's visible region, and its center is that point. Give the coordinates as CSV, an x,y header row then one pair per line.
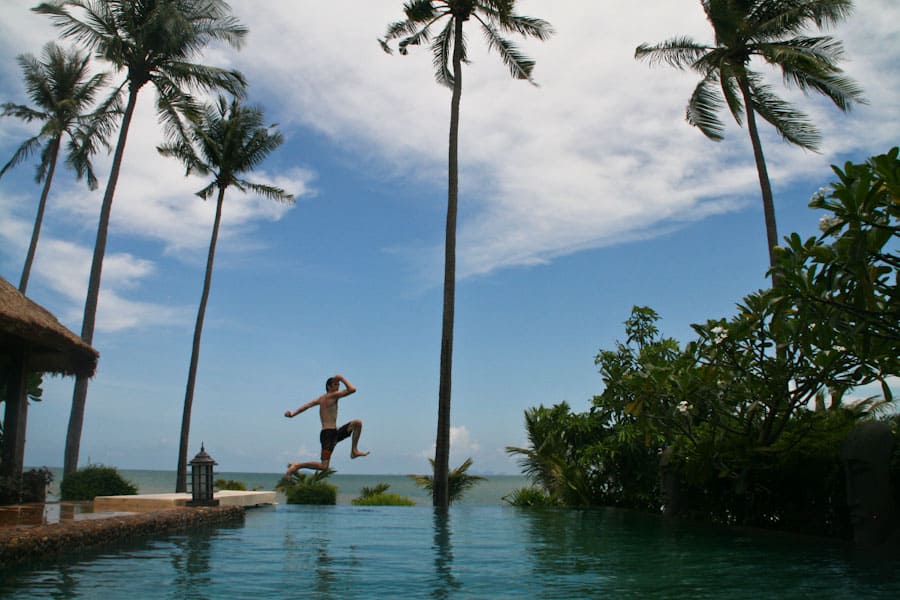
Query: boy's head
x,y
331,384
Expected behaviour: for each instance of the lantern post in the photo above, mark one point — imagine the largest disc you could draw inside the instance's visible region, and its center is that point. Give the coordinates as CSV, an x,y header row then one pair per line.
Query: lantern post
x,y
202,479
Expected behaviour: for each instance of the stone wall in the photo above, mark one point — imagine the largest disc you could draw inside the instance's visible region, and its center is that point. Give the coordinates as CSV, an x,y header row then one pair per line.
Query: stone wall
x,y
47,542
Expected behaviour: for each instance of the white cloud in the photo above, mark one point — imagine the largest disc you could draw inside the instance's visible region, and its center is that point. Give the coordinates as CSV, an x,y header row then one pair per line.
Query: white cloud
x,y
154,201
462,446
597,155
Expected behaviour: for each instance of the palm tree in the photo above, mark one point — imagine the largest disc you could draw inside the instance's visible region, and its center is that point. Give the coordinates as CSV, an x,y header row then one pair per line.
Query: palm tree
x,y
448,48
153,41
458,480
62,91
227,142
771,30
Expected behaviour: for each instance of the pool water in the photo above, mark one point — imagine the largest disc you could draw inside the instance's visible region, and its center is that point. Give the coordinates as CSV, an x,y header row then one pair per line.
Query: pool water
x,y
470,552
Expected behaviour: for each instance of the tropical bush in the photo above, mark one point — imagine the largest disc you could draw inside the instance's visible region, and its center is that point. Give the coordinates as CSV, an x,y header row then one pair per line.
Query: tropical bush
x,y
230,484
31,486
750,417
301,488
458,480
379,496
95,480
530,497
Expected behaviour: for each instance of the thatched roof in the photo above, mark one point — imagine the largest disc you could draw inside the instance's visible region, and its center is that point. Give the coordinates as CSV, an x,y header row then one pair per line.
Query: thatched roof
x,y
51,347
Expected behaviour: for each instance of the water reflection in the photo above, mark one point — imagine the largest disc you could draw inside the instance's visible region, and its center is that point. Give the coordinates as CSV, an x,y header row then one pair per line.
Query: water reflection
x,y
191,561
468,552
445,581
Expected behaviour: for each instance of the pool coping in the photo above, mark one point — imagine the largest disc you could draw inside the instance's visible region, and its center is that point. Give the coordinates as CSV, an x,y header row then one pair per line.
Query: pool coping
x,y
143,502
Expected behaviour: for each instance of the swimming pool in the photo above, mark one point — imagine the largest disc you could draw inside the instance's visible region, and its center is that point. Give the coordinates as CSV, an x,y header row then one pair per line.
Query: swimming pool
x,y
470,552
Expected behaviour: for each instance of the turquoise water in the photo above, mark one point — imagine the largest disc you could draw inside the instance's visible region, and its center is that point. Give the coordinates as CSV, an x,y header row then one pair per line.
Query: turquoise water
x,y
470,552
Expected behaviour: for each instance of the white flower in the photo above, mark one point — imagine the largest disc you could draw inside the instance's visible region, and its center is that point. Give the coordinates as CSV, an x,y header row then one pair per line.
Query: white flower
x,y
720,334
826,223
840,349
684,407
820,194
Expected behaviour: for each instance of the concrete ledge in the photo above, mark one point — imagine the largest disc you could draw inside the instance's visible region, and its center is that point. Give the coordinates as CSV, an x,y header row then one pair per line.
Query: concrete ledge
x,y
48,542
145,502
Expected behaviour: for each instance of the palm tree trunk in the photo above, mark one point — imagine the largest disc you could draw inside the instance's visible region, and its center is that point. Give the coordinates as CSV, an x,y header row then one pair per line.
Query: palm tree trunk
x,y
39,218
440,492
181,479
12,449
763,173
79,397
771,231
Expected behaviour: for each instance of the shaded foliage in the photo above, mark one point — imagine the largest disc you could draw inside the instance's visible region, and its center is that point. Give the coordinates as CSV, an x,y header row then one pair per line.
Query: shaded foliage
x,y
301,488
30,486
230,484
379,496
95,480
744,425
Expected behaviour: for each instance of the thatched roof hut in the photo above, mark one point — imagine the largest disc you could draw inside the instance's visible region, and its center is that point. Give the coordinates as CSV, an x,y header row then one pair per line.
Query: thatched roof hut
x,y
51,347
31,340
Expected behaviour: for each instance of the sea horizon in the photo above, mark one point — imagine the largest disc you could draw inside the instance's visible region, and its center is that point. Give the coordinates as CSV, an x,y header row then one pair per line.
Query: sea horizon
x,y
488,492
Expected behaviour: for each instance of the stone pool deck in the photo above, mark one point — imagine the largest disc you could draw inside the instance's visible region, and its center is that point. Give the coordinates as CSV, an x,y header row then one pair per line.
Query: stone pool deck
x,y
44,532
142,502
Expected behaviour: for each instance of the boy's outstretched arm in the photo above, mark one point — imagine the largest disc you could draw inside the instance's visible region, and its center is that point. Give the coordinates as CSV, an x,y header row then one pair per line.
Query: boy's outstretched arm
x,y
293,413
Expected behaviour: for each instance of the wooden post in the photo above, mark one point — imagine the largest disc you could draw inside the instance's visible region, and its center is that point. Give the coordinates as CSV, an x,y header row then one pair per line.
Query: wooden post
x,y
12,454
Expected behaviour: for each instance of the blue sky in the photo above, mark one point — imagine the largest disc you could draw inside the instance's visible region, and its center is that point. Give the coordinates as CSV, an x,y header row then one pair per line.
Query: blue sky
x,y
579,199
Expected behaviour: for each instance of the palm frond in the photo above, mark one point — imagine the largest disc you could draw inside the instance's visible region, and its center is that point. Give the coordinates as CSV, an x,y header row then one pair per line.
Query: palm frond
x,y
184,152
810,64
267,191
680,52
771,20
79,150
703,107
792,124
188,75
24,150
520,66
728,82
441,49
22,112
91,33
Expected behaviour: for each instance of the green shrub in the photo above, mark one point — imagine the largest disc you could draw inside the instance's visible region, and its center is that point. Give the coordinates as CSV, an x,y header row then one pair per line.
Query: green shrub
x,y
302,488
231,484
383,499
311,493
95,480
31,486
530,497
379,496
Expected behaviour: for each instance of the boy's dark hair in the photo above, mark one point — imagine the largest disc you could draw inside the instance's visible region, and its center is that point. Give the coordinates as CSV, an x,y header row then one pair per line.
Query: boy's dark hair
x,y
330,381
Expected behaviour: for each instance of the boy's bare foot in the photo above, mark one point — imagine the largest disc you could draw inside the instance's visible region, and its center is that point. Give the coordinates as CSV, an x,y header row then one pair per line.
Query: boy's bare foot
x,y
357,454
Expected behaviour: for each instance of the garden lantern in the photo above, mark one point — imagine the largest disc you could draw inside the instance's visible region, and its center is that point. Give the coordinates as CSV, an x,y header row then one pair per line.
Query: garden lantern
x,y
202,480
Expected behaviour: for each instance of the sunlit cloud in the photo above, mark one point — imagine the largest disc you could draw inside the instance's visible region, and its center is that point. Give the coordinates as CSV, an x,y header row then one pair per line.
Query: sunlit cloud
x,y
599,154
462,446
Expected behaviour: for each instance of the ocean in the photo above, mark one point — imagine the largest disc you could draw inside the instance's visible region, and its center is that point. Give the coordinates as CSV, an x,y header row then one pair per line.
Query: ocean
x,y
489,492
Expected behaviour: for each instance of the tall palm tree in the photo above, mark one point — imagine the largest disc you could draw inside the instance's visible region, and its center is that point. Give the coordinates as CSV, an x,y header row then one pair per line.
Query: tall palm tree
x,y
773,31
62,91
228,141
152,41
448,49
